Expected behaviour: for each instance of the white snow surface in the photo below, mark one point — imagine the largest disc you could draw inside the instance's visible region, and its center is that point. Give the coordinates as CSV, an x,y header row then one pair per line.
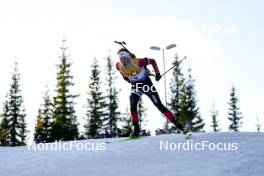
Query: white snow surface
x,y
141,157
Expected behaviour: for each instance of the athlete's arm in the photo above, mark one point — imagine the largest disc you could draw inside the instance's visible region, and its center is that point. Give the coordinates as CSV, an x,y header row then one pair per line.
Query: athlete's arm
x,y
118,67
146,61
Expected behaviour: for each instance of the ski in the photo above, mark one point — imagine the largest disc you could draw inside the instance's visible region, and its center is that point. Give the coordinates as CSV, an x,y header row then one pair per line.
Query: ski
x,y
131,138
125,139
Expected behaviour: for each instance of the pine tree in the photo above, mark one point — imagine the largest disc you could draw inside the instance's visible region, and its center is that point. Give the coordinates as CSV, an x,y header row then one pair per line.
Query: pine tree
x,y
190,112
47,113
4,126
176,88
112,114
183,112
234,115
4,131
16,112
44,120
39,127
214,115
65,125
95,104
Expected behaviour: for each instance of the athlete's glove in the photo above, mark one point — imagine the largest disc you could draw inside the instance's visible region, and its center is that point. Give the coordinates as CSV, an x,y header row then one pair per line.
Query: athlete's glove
x,y
157,76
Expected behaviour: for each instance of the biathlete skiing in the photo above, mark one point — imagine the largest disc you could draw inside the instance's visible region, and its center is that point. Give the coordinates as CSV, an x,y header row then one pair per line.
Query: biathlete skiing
x,y
134,71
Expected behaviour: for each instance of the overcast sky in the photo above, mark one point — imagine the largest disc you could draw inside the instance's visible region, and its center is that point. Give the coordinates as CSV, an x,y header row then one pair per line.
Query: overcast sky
x,y
221,39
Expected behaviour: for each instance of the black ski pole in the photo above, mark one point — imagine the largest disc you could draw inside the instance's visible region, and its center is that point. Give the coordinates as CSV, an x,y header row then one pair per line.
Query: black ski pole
x,y
176,65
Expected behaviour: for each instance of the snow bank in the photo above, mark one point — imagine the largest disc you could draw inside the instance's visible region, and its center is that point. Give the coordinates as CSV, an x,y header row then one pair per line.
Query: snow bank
x,y
217,154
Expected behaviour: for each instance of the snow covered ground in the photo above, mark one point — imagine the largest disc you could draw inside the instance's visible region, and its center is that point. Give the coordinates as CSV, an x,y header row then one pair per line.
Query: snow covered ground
x,y
238,154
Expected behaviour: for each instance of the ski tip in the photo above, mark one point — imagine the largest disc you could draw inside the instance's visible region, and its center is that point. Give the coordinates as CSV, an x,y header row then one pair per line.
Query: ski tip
x,y
132,138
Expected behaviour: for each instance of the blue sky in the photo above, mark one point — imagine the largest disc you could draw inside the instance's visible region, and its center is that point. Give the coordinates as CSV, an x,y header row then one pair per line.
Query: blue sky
x,y
222,40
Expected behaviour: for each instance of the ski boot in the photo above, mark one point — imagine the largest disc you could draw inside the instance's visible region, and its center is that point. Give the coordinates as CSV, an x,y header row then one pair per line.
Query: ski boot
x,y
180,127
136,132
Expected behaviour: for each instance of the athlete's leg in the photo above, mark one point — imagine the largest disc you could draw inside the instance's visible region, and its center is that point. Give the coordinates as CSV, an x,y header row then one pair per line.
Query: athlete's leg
x,y
154,96
134,98
152,93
